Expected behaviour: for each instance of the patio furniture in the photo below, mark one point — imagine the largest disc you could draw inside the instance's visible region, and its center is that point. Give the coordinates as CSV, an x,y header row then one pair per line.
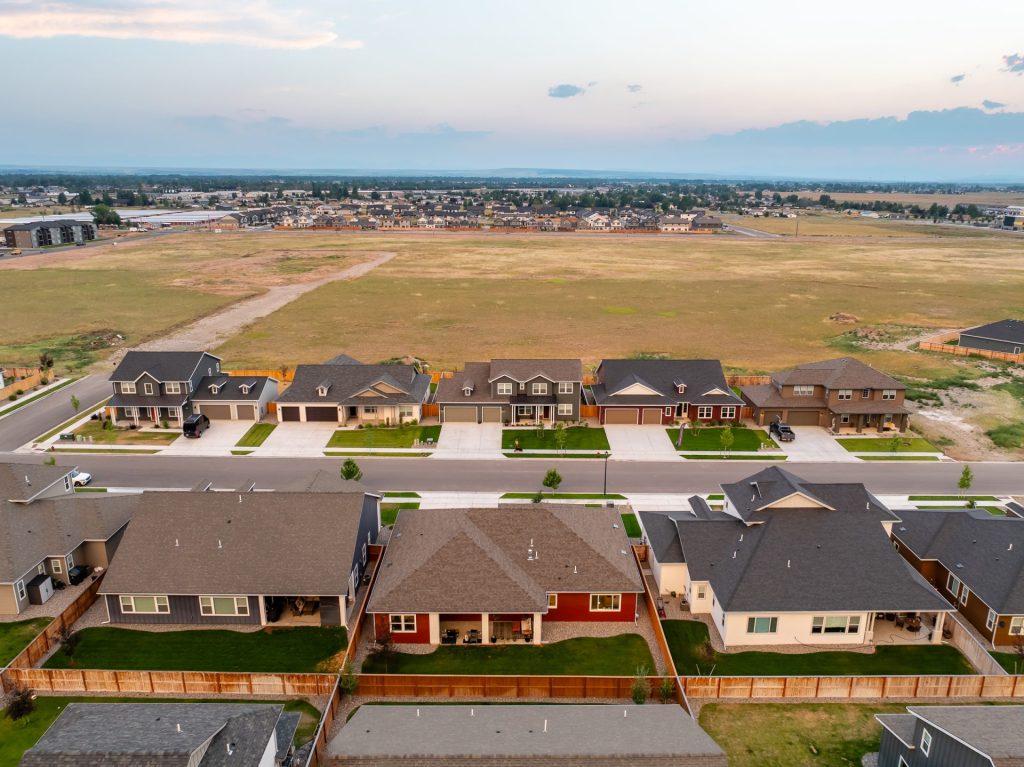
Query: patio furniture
x,y
900,621
890,616
450,636
914,624
528,636
473,637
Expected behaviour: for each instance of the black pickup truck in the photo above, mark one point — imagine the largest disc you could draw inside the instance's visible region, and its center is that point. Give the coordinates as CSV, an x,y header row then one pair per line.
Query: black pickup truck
x,y
781,432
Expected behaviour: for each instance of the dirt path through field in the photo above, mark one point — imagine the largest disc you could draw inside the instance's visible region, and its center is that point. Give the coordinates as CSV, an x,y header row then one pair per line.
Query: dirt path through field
x,y
210,332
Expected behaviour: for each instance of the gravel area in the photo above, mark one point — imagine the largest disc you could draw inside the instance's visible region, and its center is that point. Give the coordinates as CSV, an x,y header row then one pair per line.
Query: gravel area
x,y
54,606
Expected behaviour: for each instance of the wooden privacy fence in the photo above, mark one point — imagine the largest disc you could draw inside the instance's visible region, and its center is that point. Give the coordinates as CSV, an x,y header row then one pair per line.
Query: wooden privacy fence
x,y
280,374
50,636
659,633
938,344
853,687
429,409
488,687
318,753
29,381
589,411
737,380
355,632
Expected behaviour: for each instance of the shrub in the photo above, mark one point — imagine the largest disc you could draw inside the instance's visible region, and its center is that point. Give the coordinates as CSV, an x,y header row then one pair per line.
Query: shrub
x,y
19,392
348,680
641,690
667,689
537,497
20,703
164,424
68,640
13,397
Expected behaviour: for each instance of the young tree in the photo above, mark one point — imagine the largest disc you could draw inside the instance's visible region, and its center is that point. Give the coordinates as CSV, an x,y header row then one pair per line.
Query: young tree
x,y
667,689
20,703
75,403
350,471
45,361
384,650
966,479
559,436
552,479
641,689
726,438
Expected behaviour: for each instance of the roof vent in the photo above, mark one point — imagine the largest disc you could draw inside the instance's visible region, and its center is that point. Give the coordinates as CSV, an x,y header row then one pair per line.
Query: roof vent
x,y
756,488
789,562
1010,547
734,554
574,570
219,544
28,481
175,543
959,566
903,529
230,748
178,727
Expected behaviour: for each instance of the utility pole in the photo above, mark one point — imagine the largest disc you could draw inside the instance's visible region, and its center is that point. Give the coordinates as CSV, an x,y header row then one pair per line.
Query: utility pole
x,y
604,491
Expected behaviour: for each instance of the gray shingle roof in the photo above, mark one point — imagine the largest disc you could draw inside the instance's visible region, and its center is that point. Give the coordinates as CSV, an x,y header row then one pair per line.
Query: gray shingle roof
x,y
996,731
900,725
163,366
1011,331
130,734
508,734
477,560
984,551
663,376
237,544
230,389
771,485
839,373
526,369
345,381
24,481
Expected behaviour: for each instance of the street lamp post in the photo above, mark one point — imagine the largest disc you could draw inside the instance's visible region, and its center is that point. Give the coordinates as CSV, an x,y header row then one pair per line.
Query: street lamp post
x,y
605,490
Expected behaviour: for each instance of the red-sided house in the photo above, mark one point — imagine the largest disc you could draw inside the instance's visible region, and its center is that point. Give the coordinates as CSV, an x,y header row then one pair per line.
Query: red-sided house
x,y
462,576
662,392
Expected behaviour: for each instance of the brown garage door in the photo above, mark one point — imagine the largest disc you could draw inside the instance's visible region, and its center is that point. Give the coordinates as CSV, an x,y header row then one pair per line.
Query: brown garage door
x,y
771,415
652,415
321,413
216,412
492,415
288,413
803,418
248,412
460,414
621,415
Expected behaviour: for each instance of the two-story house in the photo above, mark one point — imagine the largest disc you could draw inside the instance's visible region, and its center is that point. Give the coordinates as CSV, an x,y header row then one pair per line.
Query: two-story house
x,y
158,386
952,736
512,391
664,391
842,394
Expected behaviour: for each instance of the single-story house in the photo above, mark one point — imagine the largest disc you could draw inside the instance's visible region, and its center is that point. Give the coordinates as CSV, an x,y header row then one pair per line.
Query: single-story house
x,y
208,558
502,573
236,399
952,736
513,735
158,386
353,393
166,734
662,392
788,562
512,391
1003,336
973,559
46,530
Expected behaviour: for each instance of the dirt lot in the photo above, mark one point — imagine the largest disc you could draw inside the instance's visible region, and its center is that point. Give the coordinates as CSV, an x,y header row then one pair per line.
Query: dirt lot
x,y
842,225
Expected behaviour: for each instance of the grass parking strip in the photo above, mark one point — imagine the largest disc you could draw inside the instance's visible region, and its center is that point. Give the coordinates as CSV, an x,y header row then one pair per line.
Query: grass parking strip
x,y
567,496
256,435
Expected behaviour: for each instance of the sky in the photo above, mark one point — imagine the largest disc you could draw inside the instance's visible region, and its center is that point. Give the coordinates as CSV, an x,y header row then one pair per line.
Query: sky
x,y
891,91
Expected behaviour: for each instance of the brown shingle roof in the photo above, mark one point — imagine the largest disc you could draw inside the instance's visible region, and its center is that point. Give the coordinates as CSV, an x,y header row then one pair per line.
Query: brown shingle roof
x,y
469,560
840,373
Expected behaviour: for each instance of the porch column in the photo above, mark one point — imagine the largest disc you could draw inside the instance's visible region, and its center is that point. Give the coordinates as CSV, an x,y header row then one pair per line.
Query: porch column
x,y
263,610
302,413
536,628
860,424
940,618
485,627
434,623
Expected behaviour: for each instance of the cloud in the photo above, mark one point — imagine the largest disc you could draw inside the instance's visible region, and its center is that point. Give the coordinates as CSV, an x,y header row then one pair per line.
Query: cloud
x,y
565,91
957,79
253,23
1014,63
634,88
992,104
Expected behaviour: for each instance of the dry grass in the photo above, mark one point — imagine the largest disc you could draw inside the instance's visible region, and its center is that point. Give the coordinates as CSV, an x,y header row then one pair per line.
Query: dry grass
x,y
925,200
842,225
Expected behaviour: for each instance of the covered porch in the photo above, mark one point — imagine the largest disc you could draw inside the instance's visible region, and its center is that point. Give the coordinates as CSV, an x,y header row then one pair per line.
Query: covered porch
x,y
908,628
149,414
378,415
532,412
290,611
857,423
485,628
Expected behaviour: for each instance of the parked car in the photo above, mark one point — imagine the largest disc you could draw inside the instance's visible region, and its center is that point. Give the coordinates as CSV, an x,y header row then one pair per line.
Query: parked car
x,y
81,478
78,574
782,432
195,425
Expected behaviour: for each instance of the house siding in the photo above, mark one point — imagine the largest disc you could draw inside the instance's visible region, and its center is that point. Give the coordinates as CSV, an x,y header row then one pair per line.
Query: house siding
x,y
382,625
968,341
576,607
792,628
944,751
183,610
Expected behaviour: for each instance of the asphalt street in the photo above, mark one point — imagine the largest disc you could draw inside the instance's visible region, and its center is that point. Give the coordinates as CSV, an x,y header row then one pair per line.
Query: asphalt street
x,y
40,416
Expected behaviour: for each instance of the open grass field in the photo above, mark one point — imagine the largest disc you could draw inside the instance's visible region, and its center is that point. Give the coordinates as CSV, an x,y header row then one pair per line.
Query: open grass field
x,y
925,200
887,445
16,737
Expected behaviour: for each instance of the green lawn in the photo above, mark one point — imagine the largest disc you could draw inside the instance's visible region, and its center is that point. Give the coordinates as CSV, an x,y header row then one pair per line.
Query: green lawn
x,y
256,435
952,498
401,494
576,438
711,439
1008,435
14,636
101,436
567,496
389,511
394,436
17,737
610,656
288,650
685,639
719,457
560,456
899,458
631,525
886,445
1011,661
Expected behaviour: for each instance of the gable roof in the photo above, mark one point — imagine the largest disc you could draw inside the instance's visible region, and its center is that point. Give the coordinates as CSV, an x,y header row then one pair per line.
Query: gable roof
x,y
839,373
21,482
701,378
984,551
230,388
163,366
347,380
774,484
479,560
522,734
156,734
237,544
526,369
1010,331
995,731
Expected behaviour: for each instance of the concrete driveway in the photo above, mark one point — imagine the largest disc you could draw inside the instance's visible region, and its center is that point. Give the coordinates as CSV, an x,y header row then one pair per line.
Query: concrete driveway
x,y
815,445
298,439
640,443
469,440
218,439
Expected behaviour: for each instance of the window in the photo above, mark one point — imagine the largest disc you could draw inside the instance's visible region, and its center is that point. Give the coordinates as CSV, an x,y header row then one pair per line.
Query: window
x,y
705,412
605,602
41,568
403,624
835,624
364,553
128,388
990,620
147,388
552,601
902,762
865,393
144,605
1017,626
965,594
844,418
728,412
803,391
70,559
702,591
130,412
524,409
405,411
370,410
668,411
565,408
896,545
539,388
67,483
888,394
19,588
505,388
224,605
926,742
565,387
762,625
845,394
57,566
173,387
953,585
